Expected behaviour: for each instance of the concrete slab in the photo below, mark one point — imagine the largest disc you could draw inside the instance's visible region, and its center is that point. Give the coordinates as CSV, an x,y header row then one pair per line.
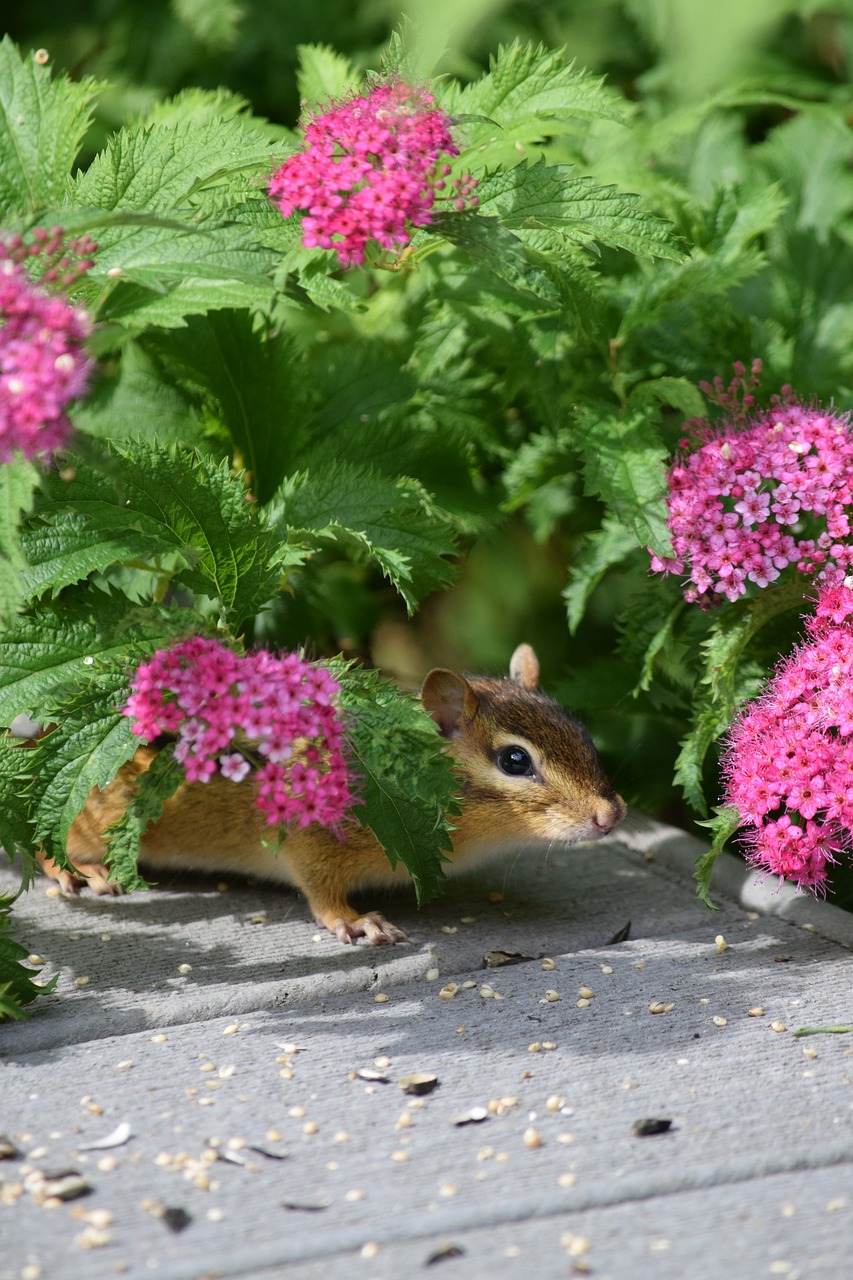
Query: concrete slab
x,y
254,1055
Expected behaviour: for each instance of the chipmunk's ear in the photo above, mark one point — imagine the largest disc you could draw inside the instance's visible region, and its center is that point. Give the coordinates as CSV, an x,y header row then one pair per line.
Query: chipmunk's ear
x,y
449,699
524,667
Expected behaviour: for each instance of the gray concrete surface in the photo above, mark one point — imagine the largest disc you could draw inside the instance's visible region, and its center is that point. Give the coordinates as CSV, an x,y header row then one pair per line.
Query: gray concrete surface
x,y
256,1149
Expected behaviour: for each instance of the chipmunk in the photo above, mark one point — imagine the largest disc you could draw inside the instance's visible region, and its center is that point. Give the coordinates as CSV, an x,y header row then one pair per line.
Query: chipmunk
x,y
528,774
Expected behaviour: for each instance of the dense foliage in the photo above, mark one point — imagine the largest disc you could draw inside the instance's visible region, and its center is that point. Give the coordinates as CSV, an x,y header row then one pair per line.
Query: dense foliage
x,y
275,448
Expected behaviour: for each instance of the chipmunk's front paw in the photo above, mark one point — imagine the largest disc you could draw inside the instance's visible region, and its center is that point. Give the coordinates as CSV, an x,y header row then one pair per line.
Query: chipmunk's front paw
x,y
95,877
372,926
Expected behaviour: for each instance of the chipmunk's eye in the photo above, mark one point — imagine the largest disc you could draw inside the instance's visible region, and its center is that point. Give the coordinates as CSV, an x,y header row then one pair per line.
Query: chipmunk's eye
x,y
516,762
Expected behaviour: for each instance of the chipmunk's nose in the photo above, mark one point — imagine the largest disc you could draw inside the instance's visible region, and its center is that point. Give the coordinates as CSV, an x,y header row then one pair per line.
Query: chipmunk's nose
x,y
608,814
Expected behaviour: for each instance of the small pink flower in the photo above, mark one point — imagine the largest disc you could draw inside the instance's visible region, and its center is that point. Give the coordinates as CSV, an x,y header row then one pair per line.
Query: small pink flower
x,y
43,363
788,762
281,710
758,494
369,170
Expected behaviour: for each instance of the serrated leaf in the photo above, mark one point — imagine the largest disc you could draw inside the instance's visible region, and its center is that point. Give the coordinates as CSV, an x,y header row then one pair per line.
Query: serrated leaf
x,y
722,827
406,780
91,741
602,549
551,199
256,381
57,650
42,123
323,74
17,983
492,246
17,482
154,787
624,464
532,94
392,521
181,503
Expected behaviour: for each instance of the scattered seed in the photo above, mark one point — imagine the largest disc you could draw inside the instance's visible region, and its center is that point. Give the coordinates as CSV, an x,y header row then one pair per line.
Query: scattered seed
x,y
381,998
534,1047
215,1215
82,982
448,991
370,1250
443,1253
809,1052
419,1083
575,1246
119,1136
341,1136
586,993
431,975
107,1164
566,1180
497,959
661,1006
476,1115
549,1044
310,1128
720,943
548,964
531,1138
185,968
550,996
355,1194
649,1127
756,1012
66,1184
403,1121
834,1205
448,1189
399,1157
231,1030
606,968
92,1238
778,1026
719,1022
555,1103
296,1112
583,1003
376,1077
449,928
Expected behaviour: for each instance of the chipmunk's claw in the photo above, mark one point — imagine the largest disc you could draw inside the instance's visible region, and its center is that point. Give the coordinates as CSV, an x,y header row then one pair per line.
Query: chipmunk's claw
x,y
95,877
372,926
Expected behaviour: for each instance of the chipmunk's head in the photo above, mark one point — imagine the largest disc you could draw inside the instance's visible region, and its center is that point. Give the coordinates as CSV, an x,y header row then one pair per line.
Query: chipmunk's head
x,y
528,769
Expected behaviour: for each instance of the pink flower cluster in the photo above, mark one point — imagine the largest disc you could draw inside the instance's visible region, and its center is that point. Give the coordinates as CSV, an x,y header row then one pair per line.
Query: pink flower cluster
x,y
759,495
788,764
369,170
43,364
275,713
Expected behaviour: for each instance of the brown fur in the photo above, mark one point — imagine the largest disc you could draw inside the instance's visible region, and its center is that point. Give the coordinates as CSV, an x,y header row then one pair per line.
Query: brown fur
x,y
215,827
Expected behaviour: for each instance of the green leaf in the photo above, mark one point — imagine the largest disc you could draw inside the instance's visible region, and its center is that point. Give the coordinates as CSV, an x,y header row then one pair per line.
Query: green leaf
x,y
492,246
323,74
549,198
57,649
406,779
42,123
393,522
154,787
602,549
90,742
624,464
17,983
17,483
531,94
16,827
257,385
174,502
722,826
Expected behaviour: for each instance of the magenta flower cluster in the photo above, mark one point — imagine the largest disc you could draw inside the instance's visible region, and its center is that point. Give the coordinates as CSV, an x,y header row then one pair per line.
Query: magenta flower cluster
x,y
759,495
788,764
43,363
369,171
272,716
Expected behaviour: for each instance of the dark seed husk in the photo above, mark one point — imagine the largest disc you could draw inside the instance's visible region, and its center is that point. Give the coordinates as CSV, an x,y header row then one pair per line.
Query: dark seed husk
x,y
8,1150
176,1219
306,1206
419,1083
650,1126
444,1253
621,935
497,959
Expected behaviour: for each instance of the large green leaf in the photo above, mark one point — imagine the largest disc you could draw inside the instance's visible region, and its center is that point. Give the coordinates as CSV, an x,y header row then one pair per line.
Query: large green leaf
x,y
405,778
42,123
624,465
394,522
156,500
17,482
551,199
